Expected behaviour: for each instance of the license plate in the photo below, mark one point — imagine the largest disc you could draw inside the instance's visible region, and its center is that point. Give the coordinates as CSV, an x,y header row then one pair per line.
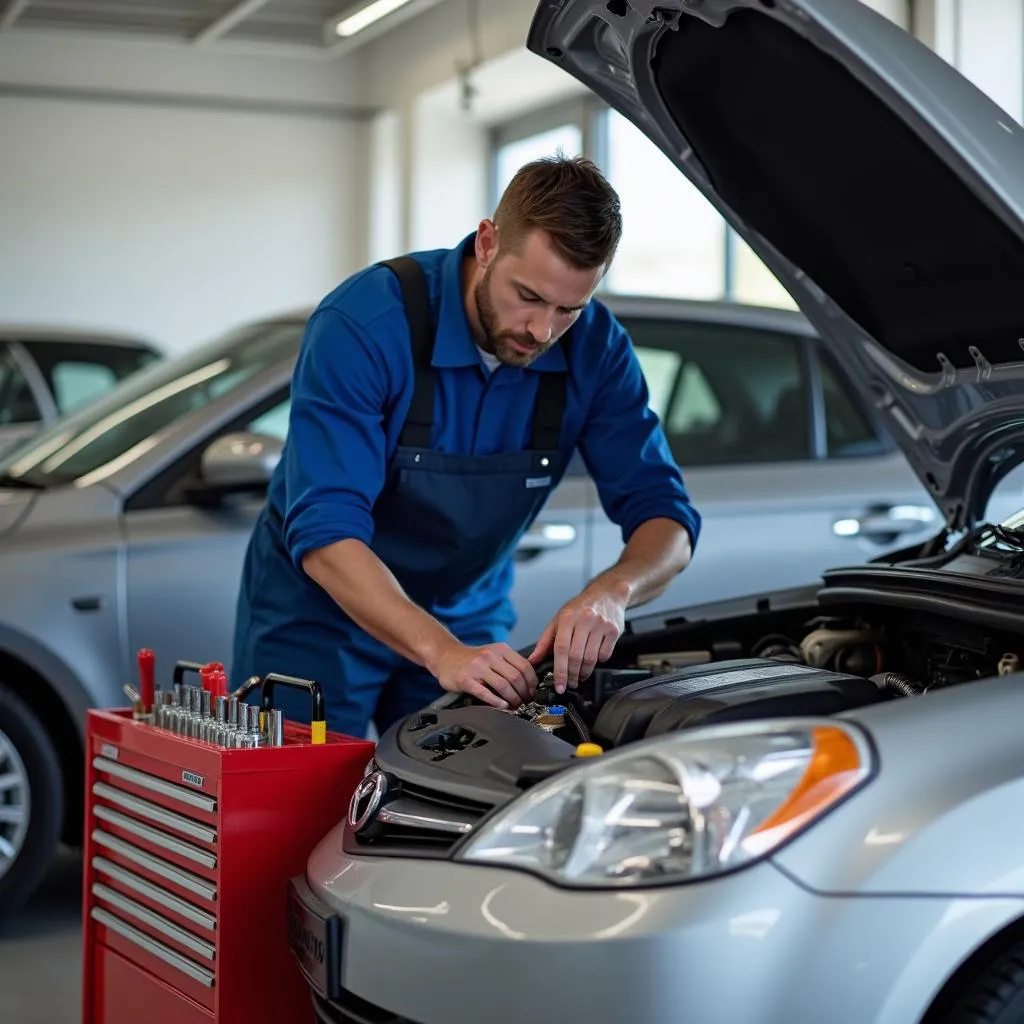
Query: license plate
x,y
314,935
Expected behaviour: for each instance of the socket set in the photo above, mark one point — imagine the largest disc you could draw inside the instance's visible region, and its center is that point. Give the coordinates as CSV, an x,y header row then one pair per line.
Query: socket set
x,y
190,711
210,714
197,801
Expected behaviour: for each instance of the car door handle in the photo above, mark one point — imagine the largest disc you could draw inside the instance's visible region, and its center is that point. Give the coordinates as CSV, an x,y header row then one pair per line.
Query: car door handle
x,y
886,523
546,537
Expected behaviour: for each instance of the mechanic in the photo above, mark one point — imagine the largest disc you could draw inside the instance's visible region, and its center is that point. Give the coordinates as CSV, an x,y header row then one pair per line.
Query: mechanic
x,y
435,404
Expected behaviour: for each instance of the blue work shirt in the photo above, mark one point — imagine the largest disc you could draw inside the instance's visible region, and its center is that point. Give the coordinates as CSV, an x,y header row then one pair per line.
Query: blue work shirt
x,y
353,384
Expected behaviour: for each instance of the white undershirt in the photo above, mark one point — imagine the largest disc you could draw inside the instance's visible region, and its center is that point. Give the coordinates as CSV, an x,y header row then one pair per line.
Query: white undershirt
x,y
491,361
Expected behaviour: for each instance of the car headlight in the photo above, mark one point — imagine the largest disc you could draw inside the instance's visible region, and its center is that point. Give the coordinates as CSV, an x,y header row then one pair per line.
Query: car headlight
x,y
679,807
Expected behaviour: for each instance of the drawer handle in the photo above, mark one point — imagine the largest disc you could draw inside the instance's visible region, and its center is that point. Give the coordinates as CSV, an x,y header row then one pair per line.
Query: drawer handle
x,y
157,785
170,872
184,938
151,946
156,837
186,826
181,907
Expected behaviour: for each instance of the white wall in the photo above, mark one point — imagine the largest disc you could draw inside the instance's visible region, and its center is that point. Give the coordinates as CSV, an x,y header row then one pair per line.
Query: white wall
x,y
448,173
174,224
159,191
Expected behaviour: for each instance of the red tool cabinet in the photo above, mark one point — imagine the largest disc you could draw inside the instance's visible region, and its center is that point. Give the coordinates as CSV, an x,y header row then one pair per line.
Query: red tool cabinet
x,y
188,852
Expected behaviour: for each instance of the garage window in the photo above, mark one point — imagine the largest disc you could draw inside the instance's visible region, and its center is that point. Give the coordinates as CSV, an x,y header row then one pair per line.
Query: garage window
x,y
563,138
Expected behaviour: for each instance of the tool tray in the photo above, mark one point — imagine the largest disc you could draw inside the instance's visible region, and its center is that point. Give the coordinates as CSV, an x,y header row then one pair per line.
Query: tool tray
x,y
188,851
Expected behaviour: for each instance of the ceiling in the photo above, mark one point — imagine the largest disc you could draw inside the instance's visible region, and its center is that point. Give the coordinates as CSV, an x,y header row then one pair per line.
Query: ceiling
x,y
291,24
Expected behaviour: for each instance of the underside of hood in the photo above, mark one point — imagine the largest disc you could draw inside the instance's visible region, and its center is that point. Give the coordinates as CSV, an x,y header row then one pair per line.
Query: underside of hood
x,y
883,189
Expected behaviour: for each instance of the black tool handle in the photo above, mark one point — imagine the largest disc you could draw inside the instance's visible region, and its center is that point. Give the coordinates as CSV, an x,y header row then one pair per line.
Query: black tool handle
x,y
252,683
316,695
181,667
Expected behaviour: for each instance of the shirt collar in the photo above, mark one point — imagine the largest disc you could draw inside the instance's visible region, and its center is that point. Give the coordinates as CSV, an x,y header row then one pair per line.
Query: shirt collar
x,y
454,345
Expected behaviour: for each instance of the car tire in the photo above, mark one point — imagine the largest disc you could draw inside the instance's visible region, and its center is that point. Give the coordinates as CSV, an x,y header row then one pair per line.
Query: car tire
x,y
997,995
26,752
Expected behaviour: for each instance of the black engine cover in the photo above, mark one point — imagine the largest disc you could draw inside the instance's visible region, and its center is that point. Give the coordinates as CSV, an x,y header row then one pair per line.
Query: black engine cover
x,y
727,691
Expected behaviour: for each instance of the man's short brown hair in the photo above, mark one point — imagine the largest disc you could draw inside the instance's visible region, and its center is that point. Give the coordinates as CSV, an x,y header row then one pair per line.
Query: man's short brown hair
x,y
569,199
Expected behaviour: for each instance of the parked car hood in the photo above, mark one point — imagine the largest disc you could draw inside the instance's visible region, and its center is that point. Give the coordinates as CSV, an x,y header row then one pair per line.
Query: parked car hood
x,y
883,189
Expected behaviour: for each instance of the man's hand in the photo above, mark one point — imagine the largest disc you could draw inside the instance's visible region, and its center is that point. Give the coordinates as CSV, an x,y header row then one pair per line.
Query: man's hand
x,y
584,632
494,673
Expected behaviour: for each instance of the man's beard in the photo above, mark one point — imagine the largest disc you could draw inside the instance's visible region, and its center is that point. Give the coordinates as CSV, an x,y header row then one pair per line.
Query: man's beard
x,y
499,342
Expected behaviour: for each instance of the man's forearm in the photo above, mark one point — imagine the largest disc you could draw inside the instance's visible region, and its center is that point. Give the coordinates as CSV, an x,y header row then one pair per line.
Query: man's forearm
x,y
657,551
367,591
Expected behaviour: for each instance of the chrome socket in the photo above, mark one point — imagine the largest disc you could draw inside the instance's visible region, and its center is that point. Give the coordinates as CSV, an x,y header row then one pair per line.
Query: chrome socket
x,y
275,728
218,731
206,716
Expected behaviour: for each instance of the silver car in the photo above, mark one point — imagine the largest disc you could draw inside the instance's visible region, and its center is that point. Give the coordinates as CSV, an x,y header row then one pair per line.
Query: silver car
x,y
125,526
46,373
798,806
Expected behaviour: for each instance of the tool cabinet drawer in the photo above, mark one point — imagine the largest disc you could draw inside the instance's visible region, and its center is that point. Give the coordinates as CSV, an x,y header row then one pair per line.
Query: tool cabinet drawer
x,y
188,851
125,993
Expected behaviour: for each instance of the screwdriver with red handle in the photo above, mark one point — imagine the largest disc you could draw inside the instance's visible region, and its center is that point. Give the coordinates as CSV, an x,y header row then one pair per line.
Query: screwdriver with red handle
x,y
144,702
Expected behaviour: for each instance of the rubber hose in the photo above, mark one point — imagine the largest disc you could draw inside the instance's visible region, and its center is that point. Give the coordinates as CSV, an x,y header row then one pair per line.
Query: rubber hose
x,y
581,726
898,683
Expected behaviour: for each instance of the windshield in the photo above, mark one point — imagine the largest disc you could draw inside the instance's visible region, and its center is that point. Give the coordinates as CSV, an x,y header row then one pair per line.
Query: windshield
x,y
129,421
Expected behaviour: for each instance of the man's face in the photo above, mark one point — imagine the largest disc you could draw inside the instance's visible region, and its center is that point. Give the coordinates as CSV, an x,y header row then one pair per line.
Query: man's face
x,y
529,297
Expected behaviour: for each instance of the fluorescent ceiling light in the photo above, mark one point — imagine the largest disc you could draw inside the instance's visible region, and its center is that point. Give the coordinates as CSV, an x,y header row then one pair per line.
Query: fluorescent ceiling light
x,y
367,16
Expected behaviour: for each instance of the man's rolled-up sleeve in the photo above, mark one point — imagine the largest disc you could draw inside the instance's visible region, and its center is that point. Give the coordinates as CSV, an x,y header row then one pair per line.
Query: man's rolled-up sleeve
x,y
335,457
626,451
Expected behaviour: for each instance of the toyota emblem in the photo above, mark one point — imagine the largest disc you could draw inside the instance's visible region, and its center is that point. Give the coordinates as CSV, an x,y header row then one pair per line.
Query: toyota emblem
x,y
366,800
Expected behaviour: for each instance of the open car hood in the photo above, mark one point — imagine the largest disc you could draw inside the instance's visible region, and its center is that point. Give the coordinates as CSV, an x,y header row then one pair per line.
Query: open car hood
x,y
883,189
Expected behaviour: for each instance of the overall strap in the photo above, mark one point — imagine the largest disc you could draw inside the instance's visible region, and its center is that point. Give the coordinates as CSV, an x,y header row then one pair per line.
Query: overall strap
x,y
416,298
550,404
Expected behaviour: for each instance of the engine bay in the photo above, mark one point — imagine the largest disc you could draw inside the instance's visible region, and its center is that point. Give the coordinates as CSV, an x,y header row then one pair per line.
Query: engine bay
x,y
821,658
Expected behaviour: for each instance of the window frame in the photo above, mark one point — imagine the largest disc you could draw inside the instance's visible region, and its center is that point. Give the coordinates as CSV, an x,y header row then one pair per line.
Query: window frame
x,y
820,355
34,349
46,404
585,112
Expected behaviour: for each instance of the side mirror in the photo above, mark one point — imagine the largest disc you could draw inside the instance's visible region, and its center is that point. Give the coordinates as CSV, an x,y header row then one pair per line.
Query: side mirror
x,y
240,462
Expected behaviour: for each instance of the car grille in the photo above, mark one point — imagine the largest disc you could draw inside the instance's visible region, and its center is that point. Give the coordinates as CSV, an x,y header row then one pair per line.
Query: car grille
x,y
421,820
350,1009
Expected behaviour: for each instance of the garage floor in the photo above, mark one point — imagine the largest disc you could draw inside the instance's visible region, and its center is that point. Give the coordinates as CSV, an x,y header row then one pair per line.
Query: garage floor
x,y
41,952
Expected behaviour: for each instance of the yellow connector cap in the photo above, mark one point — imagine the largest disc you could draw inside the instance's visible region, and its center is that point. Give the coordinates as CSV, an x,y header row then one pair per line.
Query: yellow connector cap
x,y
588,750
318,732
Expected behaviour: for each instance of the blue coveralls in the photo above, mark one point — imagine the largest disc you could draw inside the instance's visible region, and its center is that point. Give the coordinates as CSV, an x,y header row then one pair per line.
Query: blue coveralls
x,y
400,438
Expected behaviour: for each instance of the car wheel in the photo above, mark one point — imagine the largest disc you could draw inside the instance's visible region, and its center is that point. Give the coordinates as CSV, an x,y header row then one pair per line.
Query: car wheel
x,y
31,802
997,995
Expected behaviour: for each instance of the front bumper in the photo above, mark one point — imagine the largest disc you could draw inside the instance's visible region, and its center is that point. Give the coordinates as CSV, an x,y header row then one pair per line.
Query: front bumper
x,y
434,942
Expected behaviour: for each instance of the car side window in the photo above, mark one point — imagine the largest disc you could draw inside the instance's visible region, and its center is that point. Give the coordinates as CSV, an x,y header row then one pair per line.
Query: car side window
x,y
76,384
726,394
17,402
848,431
78,373
273,422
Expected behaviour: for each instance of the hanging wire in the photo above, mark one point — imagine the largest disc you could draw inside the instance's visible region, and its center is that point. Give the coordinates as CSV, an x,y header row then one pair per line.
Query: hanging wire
x,y
465,71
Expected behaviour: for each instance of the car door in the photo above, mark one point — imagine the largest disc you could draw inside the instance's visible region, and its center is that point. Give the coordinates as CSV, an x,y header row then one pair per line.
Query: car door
x,y
185,558
789,473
